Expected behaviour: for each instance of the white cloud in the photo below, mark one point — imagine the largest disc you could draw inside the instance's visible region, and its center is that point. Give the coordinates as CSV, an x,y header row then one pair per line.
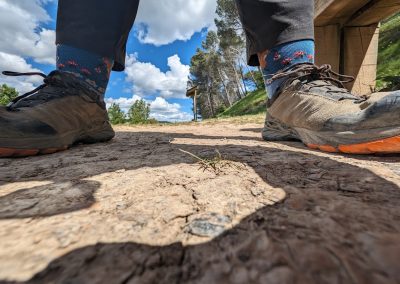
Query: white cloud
x,y
18,64
21,38
20,31
160,109
162,22
164,111
147,79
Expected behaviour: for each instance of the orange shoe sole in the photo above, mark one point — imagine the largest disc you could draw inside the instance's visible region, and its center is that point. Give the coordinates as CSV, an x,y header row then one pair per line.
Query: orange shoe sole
x,y
9,152
384,146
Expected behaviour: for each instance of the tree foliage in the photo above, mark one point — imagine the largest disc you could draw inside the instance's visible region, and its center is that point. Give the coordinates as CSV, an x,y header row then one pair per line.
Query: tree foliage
x,y
7,94
116,115
139,112
219,67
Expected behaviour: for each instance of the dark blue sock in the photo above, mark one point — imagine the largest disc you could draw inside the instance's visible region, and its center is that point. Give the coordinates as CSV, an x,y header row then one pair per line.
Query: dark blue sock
x,y
284,56
92,68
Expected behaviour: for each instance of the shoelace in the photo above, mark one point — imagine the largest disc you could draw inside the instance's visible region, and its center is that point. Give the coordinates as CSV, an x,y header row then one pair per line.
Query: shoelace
x,y
324,72
20,97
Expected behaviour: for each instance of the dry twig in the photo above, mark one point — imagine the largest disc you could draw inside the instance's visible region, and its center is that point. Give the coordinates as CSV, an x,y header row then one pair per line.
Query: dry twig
x,y
215,164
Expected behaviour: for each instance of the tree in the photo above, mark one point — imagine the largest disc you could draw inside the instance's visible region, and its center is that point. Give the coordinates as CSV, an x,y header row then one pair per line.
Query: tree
x,y
139,112
255,78
205,73
232,45
116,115
7,94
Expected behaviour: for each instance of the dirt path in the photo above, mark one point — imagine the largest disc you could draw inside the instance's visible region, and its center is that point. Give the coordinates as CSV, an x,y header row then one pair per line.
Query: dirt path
x,y
138,210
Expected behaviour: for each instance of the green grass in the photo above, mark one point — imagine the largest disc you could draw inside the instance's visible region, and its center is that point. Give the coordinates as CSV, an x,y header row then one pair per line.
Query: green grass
x,y
389,53
253,103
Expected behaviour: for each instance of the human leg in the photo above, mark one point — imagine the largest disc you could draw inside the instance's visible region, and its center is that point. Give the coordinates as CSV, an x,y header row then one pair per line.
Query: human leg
x,y
69,107
307,102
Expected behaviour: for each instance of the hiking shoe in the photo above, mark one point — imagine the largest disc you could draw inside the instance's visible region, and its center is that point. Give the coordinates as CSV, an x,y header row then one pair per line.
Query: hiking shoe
x,y
61,112
313,106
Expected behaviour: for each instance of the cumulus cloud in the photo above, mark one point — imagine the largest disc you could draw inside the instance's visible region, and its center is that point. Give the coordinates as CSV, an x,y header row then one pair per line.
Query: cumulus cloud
x,y
162,22
148,79
20,30
160,109
18,64
164,111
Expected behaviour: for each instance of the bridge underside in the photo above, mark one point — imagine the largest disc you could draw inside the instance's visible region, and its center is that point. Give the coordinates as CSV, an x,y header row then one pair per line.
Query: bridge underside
x,y
347,34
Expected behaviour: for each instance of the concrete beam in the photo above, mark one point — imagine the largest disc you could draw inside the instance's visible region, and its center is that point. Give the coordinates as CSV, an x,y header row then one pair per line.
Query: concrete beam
x,y
354,12
374,12
321,6
329,12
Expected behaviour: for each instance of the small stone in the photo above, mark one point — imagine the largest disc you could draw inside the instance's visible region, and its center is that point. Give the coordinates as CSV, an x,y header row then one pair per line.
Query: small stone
x,y
203,228
256,191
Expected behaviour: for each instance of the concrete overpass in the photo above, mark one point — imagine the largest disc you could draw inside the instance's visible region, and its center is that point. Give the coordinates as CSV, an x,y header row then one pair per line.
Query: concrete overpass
x,y
347,33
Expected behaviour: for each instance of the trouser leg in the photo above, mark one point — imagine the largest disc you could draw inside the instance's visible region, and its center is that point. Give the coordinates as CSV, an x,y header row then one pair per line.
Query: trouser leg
x,y
268,23
98,26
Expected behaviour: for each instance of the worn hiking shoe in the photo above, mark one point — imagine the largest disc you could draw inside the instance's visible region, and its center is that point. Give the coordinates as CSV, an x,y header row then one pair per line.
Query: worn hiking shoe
x,y
313,106
61,112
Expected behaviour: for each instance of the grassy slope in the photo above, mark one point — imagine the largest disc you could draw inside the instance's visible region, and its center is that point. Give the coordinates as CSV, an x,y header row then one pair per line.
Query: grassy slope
x,y
389,51
388,66
253,103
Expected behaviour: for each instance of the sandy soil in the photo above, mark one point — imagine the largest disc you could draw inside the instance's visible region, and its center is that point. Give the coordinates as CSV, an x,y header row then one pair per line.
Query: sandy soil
x,y
138,210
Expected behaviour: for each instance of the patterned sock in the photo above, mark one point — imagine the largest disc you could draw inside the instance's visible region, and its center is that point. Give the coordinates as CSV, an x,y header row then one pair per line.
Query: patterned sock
x,y
92,68
282,57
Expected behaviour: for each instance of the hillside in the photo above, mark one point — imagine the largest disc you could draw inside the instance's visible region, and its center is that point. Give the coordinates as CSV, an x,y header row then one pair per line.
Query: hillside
x,y
253,103
389,53
388,70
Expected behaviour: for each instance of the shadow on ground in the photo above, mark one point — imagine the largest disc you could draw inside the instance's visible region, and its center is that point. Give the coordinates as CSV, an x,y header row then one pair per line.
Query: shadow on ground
x,y
339,223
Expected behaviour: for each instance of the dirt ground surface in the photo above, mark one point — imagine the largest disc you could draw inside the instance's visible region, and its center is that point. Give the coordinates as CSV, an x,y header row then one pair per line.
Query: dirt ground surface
x,y
139,210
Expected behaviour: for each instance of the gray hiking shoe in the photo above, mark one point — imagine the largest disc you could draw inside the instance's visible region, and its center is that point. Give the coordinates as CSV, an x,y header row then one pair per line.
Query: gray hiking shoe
x,y
313,106
61,112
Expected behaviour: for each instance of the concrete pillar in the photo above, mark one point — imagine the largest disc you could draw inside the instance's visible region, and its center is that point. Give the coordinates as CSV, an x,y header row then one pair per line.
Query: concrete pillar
x,y
360,56
351,51
327,45
353,25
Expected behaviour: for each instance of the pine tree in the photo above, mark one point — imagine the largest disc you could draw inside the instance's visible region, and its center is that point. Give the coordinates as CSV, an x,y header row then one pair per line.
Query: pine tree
x,y
219,67
116,115
139,112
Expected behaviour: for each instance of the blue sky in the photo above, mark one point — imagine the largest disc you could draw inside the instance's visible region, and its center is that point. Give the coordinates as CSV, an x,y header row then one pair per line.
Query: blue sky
x,y
161,44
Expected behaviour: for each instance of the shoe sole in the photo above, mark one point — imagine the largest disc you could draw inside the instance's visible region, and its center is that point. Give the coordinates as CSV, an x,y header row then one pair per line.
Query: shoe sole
x,y
11,153
103,135
384,146
386,141
362,142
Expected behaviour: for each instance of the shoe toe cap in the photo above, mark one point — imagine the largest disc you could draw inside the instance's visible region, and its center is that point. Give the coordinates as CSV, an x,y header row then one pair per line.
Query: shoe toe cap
x,y
382,113
388,103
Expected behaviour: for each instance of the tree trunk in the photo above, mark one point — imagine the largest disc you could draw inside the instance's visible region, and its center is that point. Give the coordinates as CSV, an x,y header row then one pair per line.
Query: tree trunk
x,y
244,83
240,89
210,100
225,89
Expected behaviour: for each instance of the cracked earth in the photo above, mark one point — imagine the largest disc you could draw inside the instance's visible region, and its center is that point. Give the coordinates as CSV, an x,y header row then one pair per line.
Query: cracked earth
x,y
139,210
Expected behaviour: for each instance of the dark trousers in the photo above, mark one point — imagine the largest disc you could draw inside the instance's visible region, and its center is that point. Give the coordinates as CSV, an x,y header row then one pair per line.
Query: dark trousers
x,y
103,26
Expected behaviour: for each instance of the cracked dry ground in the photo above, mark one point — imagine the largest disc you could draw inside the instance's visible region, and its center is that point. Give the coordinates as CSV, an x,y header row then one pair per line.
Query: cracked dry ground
x,y
138,210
